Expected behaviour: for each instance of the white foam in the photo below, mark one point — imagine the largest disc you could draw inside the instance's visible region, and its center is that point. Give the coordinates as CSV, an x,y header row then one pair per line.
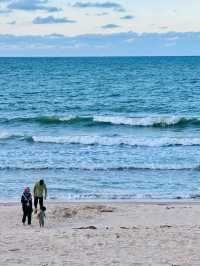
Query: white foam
x,y
110,141
4,135
139,121
86,140
67,118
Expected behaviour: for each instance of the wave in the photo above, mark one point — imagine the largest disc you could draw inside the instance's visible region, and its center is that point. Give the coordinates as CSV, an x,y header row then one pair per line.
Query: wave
x,y
147,121
126,197
116,141
31,168
144,167
154,167
157,121
47,120
195,196
104,140
6,136
135,197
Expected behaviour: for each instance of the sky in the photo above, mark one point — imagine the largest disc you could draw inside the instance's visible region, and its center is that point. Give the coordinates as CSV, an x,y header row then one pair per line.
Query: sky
x,y
99,27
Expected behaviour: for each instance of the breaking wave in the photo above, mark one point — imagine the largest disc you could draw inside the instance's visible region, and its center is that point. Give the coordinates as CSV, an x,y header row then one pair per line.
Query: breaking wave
x,y
104,140
159,121
147,121
113,141
6,136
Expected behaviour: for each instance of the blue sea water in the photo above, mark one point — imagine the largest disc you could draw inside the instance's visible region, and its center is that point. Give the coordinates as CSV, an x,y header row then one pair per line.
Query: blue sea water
x,y
100,128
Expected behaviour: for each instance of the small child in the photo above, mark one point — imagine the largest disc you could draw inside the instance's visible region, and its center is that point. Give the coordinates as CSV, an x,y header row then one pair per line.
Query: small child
x,y
41,216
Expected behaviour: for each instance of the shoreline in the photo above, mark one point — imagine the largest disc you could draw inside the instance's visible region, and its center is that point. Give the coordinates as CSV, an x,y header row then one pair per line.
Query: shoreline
x,y
136,202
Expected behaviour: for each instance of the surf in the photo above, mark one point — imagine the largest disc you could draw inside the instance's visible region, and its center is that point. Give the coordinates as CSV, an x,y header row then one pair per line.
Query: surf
x,y
102,120
116,141
103,140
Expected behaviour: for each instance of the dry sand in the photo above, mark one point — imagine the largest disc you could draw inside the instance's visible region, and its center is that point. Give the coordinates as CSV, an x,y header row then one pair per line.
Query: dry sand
x,y
119,234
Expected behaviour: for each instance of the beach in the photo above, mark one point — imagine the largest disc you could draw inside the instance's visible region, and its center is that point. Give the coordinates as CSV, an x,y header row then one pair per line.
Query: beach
x,y
119,137
124,233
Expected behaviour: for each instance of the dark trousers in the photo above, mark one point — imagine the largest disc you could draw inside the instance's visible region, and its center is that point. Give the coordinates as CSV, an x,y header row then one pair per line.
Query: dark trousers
x,y
36,202
27,212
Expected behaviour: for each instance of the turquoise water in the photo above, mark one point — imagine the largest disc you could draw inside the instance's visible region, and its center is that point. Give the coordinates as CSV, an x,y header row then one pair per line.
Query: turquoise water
x,y
100,128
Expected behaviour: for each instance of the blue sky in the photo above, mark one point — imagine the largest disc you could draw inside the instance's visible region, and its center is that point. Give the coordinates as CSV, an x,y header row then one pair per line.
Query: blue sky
x,y
97,27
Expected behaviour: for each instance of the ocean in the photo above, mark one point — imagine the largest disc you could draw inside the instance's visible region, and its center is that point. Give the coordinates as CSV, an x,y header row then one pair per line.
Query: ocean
x,y
119,128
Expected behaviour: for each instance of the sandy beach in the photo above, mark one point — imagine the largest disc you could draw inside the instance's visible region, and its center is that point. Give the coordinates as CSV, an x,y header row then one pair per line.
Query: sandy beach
x,y
103,234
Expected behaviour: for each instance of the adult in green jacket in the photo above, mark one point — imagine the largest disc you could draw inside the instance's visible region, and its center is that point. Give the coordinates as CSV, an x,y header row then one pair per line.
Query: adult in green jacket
x,y
39,191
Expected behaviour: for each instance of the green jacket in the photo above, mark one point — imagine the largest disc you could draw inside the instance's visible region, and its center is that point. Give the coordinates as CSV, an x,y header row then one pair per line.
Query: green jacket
x,y
39,190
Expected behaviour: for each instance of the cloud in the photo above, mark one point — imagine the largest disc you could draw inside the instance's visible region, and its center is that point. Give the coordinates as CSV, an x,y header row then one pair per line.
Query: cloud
x,y
118,44
110,26
104,5
11,22
52,20
31,5
172,38
102,14
4,11
163,27
127,17
130,40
